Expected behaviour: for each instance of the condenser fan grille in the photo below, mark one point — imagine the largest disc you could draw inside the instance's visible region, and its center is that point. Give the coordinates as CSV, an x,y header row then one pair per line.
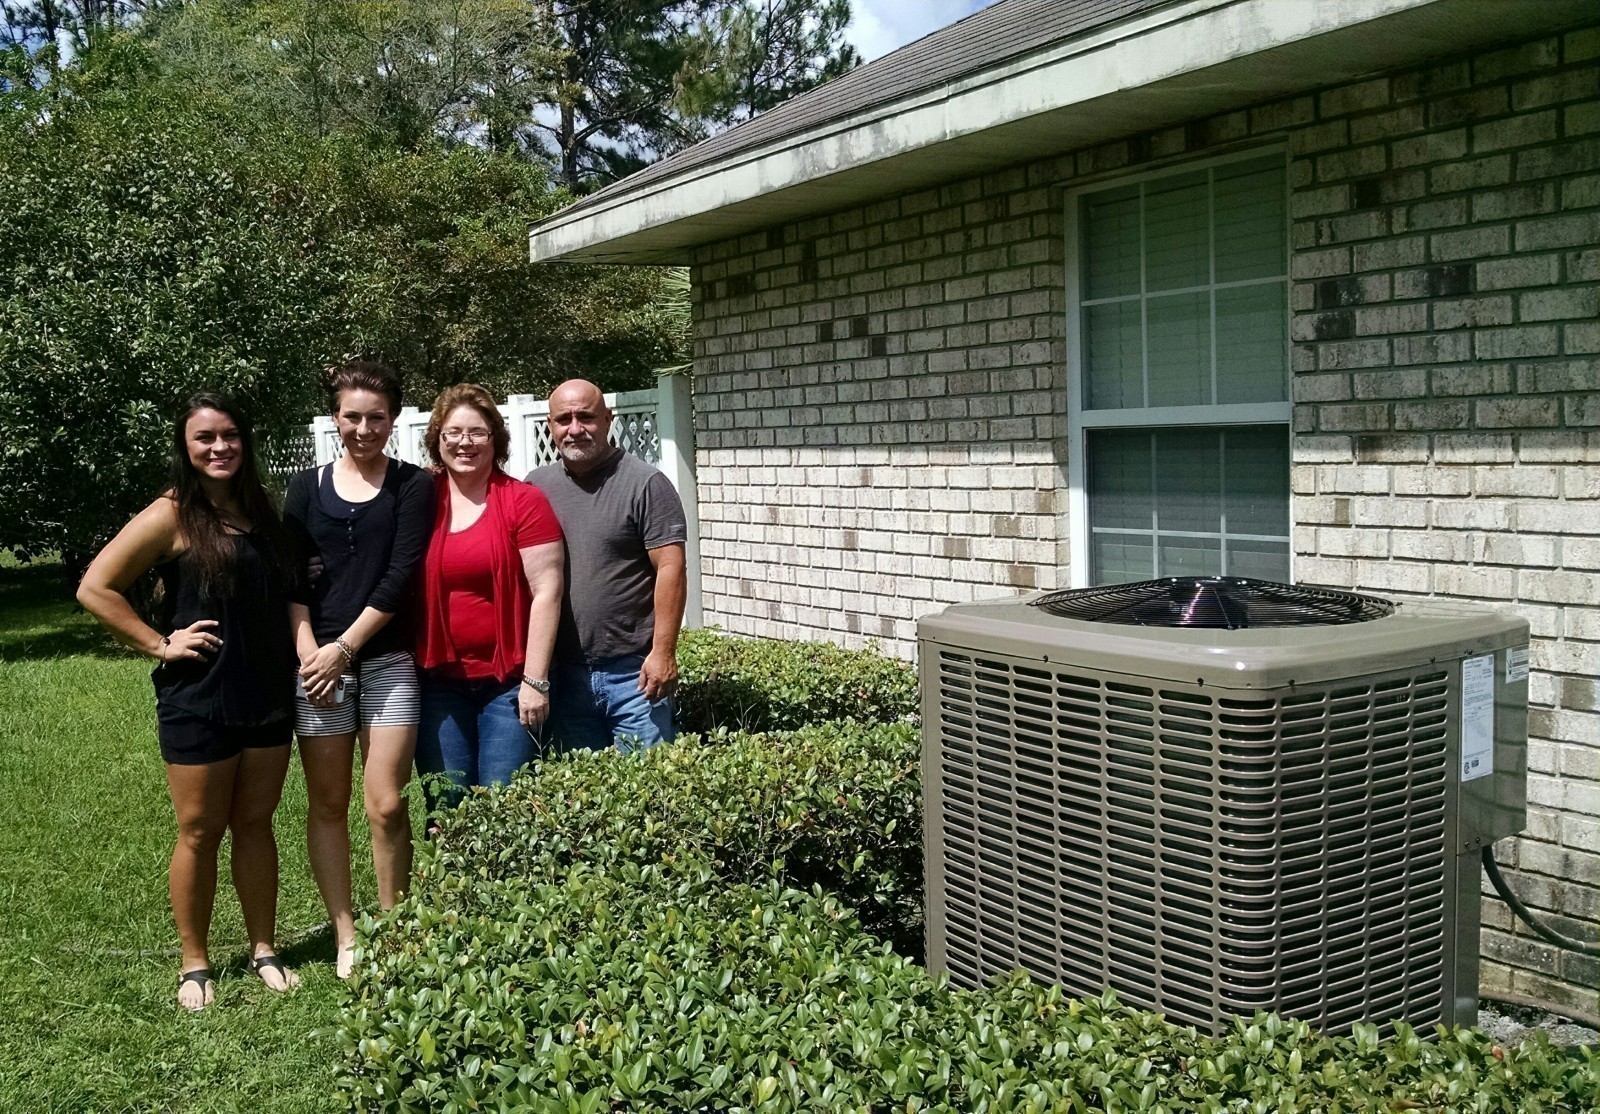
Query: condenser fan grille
x,y
1215,602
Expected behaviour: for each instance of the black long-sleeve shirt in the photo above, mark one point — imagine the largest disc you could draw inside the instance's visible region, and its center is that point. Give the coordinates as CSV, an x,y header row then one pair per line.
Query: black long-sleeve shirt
x,y
371,552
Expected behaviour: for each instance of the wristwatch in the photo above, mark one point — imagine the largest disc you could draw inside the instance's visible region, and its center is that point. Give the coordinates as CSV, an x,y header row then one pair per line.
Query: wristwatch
x,y
537,686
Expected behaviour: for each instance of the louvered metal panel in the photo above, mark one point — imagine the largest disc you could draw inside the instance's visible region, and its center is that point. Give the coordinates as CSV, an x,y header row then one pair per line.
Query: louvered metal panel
x,y
1204,851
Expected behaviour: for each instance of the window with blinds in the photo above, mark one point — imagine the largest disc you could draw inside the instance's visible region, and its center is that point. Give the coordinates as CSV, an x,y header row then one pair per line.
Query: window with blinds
x,y
1180,412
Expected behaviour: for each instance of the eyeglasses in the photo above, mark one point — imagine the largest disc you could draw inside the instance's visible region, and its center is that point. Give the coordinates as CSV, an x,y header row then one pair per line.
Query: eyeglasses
x,y
464,436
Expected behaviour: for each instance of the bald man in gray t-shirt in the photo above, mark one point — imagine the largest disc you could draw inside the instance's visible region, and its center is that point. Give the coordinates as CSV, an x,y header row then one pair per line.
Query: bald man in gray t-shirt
x,y
615,666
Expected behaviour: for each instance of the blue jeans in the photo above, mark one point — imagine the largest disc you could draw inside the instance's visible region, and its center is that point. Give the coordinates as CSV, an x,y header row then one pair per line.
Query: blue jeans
x,y
470,731
597,704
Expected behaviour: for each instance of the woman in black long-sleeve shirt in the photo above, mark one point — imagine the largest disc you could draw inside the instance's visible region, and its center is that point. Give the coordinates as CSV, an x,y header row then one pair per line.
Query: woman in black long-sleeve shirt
x,y
367,517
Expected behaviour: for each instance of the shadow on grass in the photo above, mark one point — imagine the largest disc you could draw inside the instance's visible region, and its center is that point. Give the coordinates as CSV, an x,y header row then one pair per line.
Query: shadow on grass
x,y
39,619
315,947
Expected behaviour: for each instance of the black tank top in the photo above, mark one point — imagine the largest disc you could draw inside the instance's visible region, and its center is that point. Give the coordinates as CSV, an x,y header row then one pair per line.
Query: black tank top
x,y
251,679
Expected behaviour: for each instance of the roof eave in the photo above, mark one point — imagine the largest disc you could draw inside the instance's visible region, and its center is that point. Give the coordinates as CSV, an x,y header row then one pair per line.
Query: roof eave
x,y
1173,64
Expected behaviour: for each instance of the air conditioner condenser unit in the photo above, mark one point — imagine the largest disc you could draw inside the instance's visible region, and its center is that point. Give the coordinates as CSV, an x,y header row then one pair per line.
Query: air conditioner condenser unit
x,y
1217,795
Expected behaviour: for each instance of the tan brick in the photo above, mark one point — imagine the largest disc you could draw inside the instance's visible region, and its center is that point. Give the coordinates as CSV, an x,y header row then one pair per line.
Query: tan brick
x,y
1479,582
1433,348
1389,383
1470,243
1551,305
1432,481
1372,511
1517,481
1435,415
1568,85
1353,354
1516,343
1393,576
1570,230
1564,587
1522,130
1515,549
1515,413
1472,379
1520,59
1502,274
1470,174
1471,514
1374,126
1559,517
1438,146
1431,545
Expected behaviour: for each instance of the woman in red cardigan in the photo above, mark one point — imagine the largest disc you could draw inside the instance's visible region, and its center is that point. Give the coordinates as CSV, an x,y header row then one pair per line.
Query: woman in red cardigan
x,y
491,596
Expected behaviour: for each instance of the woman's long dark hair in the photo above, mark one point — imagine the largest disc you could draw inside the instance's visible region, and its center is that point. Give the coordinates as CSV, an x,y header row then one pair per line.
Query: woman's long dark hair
x,y
210,547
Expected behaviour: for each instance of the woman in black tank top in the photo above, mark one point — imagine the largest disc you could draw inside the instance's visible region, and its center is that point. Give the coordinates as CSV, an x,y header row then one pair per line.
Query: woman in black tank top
x,y
223,687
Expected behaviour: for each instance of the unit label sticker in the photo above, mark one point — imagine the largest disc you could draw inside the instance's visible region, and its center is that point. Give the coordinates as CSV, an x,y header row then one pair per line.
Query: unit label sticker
x,y
1516,665
1477,717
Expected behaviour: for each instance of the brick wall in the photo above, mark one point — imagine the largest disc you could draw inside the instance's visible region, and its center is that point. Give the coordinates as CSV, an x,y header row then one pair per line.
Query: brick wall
x,y
1446,226
877,396
881,412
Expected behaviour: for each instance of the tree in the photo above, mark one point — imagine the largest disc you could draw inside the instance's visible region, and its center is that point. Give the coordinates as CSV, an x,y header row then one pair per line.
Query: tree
x,y
754,56
404,73
235,195
146,249
637,79
442,285
593,89
45,31
152,243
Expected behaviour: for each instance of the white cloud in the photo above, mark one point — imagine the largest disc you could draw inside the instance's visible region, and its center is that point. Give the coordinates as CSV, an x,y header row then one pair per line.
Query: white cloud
x,y
879,26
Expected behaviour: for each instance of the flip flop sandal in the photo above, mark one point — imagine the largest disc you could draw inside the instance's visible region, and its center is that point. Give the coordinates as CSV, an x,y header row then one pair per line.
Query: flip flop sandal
x,y
272,962
201,977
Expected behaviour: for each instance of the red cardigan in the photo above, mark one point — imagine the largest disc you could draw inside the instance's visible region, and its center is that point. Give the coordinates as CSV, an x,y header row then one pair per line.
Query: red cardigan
x,y
519,516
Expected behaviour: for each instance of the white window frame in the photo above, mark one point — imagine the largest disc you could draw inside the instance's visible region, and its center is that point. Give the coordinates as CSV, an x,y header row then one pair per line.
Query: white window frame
x,y
1081,422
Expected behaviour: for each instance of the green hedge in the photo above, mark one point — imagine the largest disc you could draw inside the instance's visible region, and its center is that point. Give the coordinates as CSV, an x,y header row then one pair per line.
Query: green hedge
x,y
683,930
763,684
836,805
662,988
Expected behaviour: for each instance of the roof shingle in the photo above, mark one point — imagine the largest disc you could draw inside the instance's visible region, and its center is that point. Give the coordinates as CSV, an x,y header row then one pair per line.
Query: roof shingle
x,y
1000,33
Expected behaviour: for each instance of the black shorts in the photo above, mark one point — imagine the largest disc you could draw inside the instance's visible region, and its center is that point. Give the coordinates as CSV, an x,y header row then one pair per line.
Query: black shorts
x,y
189,740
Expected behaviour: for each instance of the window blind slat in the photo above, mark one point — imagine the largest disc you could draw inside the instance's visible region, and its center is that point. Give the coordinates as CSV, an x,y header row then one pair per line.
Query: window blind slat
x,y
1251,219
1177,238
1188,480
1119,480
1180,349
1120,558
1252,342
1111,236
1256,499
1258,560
1189,557
1114,355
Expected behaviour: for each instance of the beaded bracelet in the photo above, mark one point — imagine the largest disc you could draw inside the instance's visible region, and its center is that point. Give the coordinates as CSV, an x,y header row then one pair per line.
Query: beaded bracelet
x,y
344,648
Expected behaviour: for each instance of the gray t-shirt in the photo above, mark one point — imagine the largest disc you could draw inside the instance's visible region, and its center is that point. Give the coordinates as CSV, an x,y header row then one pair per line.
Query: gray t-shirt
x,y
612,517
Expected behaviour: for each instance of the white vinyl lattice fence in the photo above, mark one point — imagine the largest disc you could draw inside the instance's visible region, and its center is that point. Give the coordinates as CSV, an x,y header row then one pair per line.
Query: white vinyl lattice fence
x,y
656,426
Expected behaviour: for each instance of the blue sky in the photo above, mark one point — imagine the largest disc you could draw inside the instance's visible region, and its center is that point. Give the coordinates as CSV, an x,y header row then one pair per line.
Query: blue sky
x,y
879,26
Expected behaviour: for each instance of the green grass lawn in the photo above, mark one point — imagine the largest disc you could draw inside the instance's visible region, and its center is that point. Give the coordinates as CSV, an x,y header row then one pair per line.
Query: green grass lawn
x,y
88,952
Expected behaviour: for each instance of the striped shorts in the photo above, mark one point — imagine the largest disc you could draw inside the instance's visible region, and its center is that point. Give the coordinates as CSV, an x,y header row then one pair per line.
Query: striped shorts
x,y
378,692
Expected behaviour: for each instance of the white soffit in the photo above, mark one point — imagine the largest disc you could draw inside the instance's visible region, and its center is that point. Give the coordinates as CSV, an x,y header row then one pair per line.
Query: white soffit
x,y
1173,64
